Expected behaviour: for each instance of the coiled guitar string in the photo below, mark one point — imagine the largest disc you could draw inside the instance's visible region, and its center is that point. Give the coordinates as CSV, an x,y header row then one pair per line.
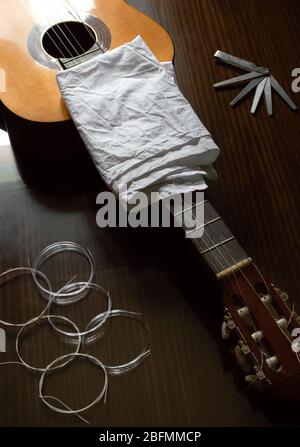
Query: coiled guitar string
x,y
65,295
38,320
100,321
45,398
126,367
21,270
68,294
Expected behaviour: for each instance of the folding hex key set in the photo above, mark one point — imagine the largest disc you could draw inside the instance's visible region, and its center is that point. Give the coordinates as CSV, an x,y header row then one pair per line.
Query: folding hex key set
x,y
258,77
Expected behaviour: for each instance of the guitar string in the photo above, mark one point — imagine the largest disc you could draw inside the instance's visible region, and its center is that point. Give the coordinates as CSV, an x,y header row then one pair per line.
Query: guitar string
x,y
240,269
58,37
54,42
226,262
70,31
53,15
74,10
246,278
235,284
62,23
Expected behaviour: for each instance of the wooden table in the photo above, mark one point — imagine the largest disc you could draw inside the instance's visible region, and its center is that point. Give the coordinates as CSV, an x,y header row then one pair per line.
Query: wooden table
x,y
190,379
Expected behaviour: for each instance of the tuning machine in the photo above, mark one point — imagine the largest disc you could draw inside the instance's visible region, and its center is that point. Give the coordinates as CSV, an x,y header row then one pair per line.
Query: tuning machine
x,y
228,326
259,376
284,296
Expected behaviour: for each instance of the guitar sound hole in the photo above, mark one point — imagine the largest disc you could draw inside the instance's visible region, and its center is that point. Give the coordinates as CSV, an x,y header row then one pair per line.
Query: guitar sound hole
x,y
68,39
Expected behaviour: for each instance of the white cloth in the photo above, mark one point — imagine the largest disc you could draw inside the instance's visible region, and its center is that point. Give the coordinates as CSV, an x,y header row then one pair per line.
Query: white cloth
x,y
138,127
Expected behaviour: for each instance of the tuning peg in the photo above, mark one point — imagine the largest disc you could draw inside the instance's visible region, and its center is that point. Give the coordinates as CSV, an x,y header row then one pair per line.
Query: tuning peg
x,y
239,356
266,299
260,375
251,378
245,348
225,331
272,362
227,326
282,323
283,295
257,336
243,311
257,378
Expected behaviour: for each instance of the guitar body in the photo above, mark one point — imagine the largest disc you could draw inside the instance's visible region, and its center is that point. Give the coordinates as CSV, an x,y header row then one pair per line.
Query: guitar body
x,y
34,35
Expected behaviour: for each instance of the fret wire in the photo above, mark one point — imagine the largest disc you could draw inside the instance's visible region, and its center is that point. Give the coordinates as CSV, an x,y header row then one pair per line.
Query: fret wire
x,y
218,245
217,219
216,261
235,283
178,213
196,240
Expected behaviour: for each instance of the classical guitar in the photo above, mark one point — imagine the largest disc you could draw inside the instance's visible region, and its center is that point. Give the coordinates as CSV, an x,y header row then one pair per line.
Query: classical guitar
x,y
38,38
257,317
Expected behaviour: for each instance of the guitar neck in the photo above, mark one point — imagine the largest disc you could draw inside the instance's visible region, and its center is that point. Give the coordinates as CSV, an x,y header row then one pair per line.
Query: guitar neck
x,y
218,246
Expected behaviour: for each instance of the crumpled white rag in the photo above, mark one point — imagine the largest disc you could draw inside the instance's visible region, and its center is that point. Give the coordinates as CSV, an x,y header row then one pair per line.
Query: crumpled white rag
x,y
138,127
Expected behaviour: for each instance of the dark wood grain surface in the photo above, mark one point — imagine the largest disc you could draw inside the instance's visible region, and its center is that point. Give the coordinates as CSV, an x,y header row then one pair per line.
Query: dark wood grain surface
x,y
190,379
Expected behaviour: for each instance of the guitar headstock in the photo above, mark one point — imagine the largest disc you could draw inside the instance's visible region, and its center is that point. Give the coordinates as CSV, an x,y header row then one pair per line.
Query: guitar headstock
x,y
264,326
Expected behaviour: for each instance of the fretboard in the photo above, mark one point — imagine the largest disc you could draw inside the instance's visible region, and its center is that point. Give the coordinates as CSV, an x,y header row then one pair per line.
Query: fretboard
x,y
217,245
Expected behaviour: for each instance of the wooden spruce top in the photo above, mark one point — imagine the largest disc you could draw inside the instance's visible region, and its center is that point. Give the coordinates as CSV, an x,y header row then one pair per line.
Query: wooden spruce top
x,y
31,89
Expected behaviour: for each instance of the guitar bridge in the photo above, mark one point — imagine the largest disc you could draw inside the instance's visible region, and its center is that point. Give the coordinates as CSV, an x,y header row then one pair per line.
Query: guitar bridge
x,y
73,61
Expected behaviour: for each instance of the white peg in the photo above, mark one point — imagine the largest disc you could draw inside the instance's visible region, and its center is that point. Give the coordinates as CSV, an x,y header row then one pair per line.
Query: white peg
x,y
243,311
225,331
266,299
282,322
272,362
257,336
250,378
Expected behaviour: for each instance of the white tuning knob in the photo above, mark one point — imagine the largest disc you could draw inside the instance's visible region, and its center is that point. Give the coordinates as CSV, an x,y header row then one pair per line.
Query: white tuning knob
x,y
272,362
266,299
243,311
250,378
260,375
284,296
225,331
282,322
240,358
257,336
